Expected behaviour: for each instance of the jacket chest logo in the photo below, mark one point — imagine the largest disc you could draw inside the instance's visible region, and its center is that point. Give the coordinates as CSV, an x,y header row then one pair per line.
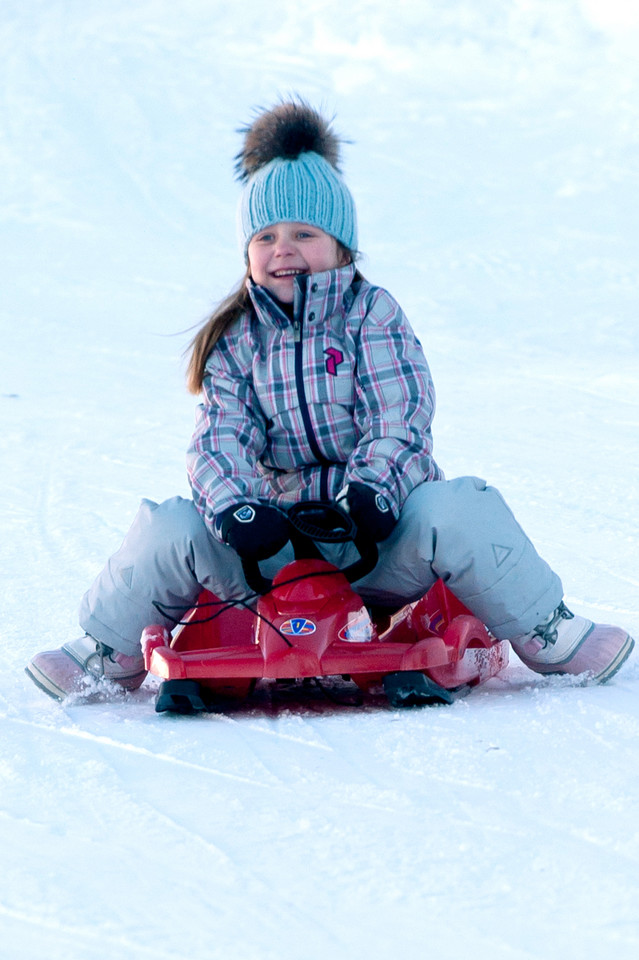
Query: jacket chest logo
x,y
335,357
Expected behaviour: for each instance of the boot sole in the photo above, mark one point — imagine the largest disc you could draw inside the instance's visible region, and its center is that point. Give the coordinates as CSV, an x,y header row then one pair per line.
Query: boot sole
x,y
618,662
45,684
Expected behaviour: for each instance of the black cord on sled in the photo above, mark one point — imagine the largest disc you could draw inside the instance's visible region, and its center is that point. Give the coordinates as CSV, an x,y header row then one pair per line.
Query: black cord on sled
x,y
225,605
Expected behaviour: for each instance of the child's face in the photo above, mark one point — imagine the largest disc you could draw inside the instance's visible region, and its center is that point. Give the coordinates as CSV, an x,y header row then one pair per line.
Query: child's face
x,y
283,251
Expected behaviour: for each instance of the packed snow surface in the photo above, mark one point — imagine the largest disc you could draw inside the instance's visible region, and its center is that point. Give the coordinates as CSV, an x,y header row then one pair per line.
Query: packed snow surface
x,y
494,164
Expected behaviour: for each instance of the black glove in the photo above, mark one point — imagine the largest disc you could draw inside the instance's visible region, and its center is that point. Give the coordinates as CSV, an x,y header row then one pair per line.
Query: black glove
x,y
254,530
370,510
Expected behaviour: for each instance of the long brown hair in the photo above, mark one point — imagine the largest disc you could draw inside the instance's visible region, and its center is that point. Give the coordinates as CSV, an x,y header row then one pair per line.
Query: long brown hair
x,y
226,313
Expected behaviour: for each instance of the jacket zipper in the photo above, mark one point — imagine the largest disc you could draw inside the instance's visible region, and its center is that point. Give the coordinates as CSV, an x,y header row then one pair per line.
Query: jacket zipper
x,y
301,394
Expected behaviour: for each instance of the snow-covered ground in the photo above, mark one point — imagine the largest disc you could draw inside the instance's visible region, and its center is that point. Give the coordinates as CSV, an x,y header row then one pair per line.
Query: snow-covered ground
x,y
494,162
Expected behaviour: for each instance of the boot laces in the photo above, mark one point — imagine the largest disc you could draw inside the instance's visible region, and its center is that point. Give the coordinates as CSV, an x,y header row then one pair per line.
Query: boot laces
x,y
548,630
95,663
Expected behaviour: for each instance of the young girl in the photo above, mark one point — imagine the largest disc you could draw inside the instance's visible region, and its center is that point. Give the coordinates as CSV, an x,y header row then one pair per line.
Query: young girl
x,y
315,387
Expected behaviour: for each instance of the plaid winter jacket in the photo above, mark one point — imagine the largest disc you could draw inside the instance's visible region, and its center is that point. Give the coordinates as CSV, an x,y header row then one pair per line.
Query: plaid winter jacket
x,y
297,409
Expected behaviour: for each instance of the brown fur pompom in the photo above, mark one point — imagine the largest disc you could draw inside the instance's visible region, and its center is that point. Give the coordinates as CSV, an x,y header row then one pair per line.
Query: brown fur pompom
x,y
286,131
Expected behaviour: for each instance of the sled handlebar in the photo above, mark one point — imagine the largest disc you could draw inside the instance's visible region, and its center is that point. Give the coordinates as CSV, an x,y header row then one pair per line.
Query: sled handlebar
x,y
315,521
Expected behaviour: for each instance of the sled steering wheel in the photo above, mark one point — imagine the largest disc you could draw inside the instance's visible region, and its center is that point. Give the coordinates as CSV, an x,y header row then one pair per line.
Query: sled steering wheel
x,y
316,521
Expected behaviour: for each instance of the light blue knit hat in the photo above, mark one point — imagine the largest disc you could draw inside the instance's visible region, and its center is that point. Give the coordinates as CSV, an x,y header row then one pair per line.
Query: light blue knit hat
x,y
289,164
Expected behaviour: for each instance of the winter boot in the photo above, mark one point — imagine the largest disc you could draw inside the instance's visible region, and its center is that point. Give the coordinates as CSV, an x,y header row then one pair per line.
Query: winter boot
x,y
65,671
565,643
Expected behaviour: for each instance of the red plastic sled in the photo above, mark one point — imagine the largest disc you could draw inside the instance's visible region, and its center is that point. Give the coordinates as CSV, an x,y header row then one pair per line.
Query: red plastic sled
x,y
311,623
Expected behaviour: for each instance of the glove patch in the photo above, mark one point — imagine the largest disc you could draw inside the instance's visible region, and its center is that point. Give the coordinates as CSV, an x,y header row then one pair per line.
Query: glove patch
x,y
244,514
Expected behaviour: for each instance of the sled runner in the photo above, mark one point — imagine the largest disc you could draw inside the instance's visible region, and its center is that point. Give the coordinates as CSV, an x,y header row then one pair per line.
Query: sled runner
x,y
310,623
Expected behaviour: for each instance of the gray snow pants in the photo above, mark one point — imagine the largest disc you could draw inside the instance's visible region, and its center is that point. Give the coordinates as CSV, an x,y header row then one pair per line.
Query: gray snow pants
x,y
460,530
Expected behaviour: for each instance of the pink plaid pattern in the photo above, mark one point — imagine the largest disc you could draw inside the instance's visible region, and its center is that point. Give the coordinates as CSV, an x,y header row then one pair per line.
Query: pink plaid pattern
x,y
282,420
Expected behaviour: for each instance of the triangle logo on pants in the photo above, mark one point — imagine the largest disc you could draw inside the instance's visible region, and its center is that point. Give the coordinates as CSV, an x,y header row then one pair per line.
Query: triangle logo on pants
x,y
501,553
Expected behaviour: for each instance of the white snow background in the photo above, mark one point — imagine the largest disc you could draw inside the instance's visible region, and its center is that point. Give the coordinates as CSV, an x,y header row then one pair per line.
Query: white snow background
x,y
494,163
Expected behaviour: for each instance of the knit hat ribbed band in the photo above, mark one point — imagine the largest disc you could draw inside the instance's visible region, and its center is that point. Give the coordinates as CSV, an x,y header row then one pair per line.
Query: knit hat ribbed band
x,y
306,189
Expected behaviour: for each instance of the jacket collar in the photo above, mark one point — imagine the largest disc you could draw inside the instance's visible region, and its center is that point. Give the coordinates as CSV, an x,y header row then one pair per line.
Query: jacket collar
x,y
313,292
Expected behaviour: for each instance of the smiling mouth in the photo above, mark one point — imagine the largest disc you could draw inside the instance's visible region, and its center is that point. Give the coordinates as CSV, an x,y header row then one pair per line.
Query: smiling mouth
x,y
290,272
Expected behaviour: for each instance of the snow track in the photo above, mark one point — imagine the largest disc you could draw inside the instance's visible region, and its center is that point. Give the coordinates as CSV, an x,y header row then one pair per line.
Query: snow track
x,y
349,830
493,164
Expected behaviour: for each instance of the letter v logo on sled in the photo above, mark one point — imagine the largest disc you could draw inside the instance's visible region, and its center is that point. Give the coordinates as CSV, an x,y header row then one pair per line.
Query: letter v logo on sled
x,y
501,553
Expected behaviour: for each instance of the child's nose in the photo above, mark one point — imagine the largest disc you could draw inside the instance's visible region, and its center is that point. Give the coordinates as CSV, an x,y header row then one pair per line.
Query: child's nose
x,y
284,246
